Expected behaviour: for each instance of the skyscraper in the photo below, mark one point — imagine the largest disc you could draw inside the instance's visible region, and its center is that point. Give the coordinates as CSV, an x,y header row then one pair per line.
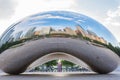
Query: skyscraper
x,y
18,35
30,32
7,36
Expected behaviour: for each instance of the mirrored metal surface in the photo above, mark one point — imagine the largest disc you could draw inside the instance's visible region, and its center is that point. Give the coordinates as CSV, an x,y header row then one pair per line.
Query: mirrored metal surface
x,y
58,31
56,24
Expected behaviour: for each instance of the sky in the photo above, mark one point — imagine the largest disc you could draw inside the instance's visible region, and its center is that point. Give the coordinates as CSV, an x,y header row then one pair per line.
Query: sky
x,y
106,12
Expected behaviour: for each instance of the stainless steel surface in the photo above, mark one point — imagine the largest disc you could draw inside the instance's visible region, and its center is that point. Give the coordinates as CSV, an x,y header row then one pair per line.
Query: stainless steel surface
x,y
57,31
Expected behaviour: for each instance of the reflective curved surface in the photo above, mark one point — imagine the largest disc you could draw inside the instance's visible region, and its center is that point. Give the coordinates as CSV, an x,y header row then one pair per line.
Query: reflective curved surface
x,y
57,56
63,30
57,24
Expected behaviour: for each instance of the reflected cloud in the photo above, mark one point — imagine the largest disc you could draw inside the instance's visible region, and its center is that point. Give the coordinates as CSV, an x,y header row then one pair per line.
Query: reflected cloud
x,y
57,24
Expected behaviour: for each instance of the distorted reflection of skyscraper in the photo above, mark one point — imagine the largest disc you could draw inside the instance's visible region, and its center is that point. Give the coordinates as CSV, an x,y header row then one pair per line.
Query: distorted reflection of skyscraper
x,y
30,32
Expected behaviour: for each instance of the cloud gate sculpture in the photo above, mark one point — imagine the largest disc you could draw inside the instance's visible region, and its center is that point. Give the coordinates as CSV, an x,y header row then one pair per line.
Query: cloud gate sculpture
x,y
57,31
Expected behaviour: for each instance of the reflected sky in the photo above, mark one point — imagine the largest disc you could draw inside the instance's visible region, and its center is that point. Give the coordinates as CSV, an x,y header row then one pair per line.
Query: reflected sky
x,y
59,20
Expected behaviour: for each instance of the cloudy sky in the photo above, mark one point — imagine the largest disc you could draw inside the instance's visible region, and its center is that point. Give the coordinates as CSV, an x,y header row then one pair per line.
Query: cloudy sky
x,y
106,12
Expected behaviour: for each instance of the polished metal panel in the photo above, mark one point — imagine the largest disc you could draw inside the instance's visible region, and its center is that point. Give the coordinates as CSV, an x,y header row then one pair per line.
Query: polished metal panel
x,y
57,24
53,25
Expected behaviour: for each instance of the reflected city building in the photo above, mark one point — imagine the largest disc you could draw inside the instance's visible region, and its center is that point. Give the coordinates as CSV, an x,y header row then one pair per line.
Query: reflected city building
x,y
57,24
76,32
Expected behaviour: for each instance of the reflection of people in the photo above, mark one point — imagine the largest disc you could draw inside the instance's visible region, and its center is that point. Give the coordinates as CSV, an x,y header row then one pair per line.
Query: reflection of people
x,y
59,66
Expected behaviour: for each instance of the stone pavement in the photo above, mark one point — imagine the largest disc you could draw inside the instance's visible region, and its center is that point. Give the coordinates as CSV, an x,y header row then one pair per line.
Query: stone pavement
x,y
61,76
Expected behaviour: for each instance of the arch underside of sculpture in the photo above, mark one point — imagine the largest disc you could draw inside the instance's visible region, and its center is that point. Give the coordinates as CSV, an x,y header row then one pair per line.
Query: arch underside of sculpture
x,y
57,56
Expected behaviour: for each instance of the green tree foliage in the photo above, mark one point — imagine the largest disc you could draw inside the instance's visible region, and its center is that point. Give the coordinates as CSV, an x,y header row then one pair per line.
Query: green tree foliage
x,y
109,45
67,63
115,49
55,62
8,45
51,63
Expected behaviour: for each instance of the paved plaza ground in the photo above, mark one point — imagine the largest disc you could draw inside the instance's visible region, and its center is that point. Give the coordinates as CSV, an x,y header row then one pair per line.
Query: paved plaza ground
x,y
61,76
